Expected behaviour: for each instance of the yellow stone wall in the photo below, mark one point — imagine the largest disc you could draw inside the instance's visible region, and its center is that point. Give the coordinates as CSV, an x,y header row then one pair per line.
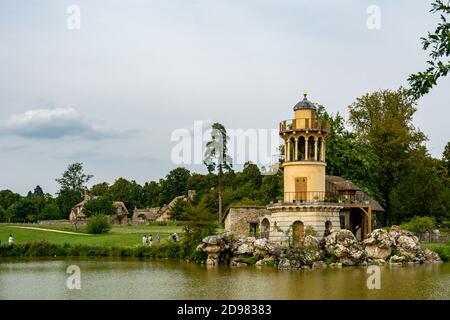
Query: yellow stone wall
x,y
314,172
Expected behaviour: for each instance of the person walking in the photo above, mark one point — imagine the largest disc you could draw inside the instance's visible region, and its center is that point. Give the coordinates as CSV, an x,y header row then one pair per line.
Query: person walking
x,y
158,238
144,240
149,239
10,240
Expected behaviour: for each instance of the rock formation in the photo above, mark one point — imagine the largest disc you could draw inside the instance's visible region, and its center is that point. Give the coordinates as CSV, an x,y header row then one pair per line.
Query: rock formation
x,y
340,248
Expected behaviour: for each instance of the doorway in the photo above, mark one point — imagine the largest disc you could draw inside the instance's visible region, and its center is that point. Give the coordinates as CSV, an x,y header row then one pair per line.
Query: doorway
x,y
298,231
301,188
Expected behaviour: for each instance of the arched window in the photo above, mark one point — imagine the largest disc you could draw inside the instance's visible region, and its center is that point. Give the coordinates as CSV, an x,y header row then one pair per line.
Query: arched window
x,y
298,232
311,148
301,148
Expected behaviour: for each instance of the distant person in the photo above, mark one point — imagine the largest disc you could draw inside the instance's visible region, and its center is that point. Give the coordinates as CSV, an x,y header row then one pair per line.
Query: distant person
x,y
144,240
175,237
10,240
149,239
158,238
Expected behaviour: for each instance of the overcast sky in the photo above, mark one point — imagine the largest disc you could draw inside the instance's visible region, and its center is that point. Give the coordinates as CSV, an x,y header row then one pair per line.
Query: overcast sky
x,y
111,93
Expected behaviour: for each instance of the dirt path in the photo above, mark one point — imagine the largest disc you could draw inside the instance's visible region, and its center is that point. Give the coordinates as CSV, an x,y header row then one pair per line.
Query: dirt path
x,y
51,230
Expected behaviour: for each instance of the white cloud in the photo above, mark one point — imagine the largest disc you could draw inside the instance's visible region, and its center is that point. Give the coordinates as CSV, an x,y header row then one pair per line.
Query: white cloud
x,y
55,123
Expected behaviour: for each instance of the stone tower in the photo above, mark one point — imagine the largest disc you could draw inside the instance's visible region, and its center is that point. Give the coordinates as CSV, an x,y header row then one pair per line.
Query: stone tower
x,y
304,154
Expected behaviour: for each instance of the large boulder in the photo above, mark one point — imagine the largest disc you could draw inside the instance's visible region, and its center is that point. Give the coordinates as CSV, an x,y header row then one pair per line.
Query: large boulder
x,y
343,245
311,242
263,248
284,264
213,246
244,246
378,244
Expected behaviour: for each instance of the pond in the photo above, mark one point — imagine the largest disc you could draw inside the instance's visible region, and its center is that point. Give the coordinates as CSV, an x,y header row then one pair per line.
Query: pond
x,y
155,279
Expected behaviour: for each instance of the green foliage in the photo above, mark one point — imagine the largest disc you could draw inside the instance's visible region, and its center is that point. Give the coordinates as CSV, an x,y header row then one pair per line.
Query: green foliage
x,y
439,42
101,205
419,225
216,153
383,120
250,260
349,157
129,192
98,224
50,212
422,190
74,178
67,199
175,184
151,191
8,198
199,224
100,190
310,231
23,211
3,217
442,249
177,212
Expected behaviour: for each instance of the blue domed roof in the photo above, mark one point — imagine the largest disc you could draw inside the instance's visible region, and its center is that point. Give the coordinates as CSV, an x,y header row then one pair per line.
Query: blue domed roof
x,y
305,104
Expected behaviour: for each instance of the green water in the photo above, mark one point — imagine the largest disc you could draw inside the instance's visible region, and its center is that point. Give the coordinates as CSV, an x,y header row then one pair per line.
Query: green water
x,y
150,279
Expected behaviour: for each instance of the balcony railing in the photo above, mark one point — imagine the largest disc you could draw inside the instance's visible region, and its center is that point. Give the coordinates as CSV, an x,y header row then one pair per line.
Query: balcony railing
x,y
304,124
318,197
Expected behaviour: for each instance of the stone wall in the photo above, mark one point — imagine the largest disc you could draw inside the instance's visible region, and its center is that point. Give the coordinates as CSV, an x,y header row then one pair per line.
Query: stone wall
x,y
238,219
281,218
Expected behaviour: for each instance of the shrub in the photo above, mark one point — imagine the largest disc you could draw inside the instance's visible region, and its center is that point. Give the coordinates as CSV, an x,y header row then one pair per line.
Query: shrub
x,y
419,225
98,224
250,261
442,249
310,231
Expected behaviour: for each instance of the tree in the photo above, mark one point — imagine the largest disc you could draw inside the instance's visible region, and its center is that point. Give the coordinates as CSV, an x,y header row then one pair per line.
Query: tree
x,y
271,188
74,178
383,120
129,192
99,190
174,185
420,191
178,210
66,200
439,42
50,212
151,192
349,157
199,224
446,156
8,198
252,174
3,217
217,158
23,210
38,192
72,184
101,205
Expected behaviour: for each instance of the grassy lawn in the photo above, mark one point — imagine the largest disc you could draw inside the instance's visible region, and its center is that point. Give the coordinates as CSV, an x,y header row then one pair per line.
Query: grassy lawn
x,y
120,235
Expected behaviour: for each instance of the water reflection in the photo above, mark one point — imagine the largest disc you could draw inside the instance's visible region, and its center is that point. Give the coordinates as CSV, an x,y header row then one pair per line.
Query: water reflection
x,y
165,279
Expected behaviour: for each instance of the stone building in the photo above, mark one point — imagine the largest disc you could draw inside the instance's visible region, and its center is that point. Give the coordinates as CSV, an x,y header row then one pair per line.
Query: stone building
x,y
312,202
120,216
142,216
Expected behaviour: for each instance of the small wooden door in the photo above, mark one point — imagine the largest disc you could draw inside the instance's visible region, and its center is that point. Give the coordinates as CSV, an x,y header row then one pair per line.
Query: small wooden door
x,y
298,231
300,188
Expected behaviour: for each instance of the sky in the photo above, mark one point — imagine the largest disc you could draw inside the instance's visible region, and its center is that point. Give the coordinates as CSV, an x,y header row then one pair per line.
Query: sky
x,y
111,93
